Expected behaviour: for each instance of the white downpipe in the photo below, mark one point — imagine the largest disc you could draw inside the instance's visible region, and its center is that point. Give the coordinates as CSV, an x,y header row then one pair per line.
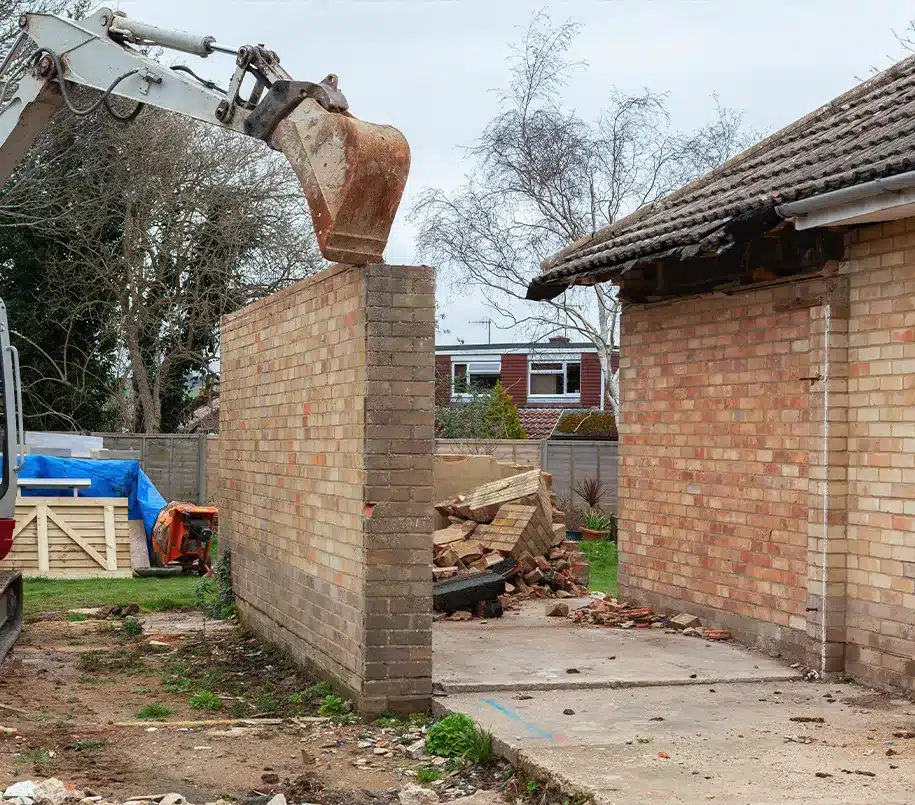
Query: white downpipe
x,y
825,491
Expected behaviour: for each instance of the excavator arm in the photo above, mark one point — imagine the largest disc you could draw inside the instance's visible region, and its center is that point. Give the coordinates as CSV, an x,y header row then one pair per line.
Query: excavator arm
x,y
352,173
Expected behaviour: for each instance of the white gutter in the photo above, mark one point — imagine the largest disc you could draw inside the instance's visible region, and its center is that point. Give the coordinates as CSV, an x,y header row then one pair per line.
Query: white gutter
x,y
878,200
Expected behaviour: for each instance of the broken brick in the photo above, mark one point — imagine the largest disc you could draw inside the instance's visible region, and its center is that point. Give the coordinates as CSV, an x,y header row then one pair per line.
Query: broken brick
x,y
534,577
685,621
557,609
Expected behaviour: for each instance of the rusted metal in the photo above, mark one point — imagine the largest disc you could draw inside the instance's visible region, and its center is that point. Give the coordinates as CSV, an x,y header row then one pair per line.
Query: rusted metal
x,y
353,174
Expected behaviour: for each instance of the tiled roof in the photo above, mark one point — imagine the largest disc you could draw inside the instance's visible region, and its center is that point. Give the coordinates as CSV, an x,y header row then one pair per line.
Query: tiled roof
x,y
204,418
865,134
538,423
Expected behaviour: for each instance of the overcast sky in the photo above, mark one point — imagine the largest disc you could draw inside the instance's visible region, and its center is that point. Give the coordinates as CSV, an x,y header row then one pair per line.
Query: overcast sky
x,y
426,66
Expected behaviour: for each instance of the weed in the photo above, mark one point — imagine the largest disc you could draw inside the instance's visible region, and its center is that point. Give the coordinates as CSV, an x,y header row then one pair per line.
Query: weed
x,y
164,603
89,745
848,679
240,709
141,690
533,787
90,662
132,627
41,759
153,712
457,736
387,721
265,703
77,617
427,774
214,593
332,706
643,740
176,684
205,700
73,700
318,691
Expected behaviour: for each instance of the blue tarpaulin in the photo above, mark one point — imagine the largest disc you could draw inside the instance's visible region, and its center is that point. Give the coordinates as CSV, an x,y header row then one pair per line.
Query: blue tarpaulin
x,y
110,479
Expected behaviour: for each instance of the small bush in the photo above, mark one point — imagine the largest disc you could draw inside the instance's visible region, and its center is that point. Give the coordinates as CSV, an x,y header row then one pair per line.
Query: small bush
x,y
153,712
457,736
427,774
132,627
205,700
596,520
592,491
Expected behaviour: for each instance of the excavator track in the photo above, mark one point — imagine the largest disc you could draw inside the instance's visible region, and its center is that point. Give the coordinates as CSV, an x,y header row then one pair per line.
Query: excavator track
x,y
10,610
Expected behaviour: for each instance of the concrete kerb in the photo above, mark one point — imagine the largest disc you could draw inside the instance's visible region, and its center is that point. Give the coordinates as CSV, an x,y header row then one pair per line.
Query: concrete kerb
x,y
611,684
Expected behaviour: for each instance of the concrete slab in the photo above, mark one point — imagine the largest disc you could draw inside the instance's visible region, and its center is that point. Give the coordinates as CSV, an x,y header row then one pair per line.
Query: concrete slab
x,y
526,649
734,745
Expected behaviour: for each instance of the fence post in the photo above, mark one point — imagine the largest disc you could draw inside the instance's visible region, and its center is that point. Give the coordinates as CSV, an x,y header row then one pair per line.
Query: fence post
x,y
202,469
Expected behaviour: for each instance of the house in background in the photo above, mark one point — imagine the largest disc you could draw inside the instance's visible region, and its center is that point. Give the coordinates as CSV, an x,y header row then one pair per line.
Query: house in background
x,y
543,378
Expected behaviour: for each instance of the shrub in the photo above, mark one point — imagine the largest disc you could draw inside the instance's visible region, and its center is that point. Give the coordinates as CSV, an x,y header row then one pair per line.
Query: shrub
x,y
501,416
214,593
457,736
132,627
592,491
574,515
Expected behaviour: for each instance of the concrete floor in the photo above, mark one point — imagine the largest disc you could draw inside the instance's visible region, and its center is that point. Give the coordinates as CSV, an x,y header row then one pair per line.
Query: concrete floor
x,y
727,736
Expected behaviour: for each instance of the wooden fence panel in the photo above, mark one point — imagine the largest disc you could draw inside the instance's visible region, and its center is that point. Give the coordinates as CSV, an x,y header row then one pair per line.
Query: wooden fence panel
x,y
71,538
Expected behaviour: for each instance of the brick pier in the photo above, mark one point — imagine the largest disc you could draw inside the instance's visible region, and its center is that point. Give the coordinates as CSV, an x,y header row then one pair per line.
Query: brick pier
x,y
327,435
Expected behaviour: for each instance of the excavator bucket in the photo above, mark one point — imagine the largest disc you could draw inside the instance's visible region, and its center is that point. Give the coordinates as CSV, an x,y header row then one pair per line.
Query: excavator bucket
x,y
353,174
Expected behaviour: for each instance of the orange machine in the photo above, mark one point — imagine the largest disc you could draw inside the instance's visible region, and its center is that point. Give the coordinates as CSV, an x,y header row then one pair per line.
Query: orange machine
x,y
182,535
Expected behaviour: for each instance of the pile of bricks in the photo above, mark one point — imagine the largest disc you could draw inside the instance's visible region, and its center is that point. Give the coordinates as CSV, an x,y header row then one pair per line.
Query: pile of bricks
x,y
511,519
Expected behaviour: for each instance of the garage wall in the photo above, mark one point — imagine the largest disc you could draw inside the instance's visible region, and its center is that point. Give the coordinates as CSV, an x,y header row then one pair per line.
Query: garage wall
x,y
716,417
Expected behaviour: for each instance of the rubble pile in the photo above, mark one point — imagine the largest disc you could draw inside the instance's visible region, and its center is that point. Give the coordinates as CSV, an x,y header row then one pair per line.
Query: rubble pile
x,y
604,611
505,543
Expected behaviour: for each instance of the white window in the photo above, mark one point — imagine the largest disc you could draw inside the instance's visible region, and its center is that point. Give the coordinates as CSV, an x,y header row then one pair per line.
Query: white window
x,y
555,379
474,377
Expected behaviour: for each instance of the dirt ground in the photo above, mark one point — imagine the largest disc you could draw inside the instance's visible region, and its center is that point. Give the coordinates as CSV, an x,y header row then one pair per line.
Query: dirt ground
x,y
76,683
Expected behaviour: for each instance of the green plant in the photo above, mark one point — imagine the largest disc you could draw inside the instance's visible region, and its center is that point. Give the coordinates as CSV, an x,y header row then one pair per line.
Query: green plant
x,y
501,417
574,515
214,592
592,491
457,736
90,661
89,745
427,774
205,700
596,520
153,712
132,627
533,787
77,617
318,691
332,706
176,684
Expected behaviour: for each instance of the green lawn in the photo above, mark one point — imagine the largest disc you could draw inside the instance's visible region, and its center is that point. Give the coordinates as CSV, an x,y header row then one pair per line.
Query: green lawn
x,y
604,562
51,595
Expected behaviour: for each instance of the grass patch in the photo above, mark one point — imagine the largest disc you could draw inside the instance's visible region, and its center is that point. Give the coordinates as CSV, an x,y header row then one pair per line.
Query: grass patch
x,y
457,736
206,700
132,627
427,774
604,561
54,595
77,617
153,712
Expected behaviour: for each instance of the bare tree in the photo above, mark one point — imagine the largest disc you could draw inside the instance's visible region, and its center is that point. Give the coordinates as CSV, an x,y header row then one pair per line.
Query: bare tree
x,y
177,222
542,177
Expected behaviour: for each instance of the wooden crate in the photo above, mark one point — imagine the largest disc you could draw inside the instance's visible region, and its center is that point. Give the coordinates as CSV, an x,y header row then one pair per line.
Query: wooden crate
x,y
71,538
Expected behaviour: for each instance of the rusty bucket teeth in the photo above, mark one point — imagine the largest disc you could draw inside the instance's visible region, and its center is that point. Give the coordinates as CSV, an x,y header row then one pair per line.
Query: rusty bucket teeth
x,y
353,174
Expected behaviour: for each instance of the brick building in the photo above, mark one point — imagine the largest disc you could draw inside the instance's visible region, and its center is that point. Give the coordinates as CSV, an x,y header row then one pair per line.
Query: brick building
x,y
544,378
767,455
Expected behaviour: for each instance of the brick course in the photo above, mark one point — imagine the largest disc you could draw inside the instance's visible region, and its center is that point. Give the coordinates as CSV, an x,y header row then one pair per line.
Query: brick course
x,y
326,435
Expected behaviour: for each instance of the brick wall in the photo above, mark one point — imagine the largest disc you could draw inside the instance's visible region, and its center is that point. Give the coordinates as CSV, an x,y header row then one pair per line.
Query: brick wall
x,y
753,488
326,438
514,377
713,462
590,380
880,609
